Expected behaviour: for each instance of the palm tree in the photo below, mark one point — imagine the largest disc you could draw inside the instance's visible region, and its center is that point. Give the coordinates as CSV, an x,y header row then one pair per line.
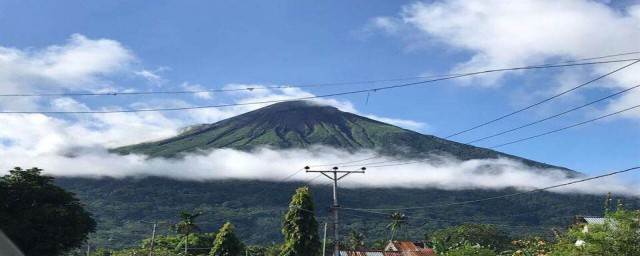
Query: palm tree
x,y
355,240
397,221
186,226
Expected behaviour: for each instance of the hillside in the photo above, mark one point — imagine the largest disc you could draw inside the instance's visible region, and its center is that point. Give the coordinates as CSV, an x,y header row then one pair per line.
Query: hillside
x,y
299,124
119,204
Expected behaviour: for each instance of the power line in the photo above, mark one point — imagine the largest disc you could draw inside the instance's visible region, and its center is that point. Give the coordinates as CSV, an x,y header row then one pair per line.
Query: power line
x,y
436,220
541,102
373,165
527,138
337,175
486,219
501,196
566,127
554,116
502,117
320,96
252,88
349,162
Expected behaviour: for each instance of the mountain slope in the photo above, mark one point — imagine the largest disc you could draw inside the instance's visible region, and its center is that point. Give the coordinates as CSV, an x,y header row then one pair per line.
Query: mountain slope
x,y
299,124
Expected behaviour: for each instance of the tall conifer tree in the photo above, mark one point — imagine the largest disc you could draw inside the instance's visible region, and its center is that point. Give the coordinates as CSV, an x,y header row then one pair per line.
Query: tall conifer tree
x,y
226,243
300,227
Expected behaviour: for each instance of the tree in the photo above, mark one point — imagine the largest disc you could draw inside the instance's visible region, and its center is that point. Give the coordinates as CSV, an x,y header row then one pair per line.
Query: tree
x,y
187,226
531,246
141,252
300,227
617,236
607,203
470,250
271,249
41,218
175,244
474,233
355,240
226,243
397,221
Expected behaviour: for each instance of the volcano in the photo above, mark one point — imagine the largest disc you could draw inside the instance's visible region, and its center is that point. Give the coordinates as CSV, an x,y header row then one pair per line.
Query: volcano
x,y
302,124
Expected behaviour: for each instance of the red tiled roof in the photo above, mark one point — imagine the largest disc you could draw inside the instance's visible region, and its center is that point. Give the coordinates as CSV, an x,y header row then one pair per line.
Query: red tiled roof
x,y
411,249
422,252
370,253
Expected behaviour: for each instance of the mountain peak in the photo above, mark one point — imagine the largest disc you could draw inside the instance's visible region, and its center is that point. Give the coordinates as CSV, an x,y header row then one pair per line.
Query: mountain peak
x,y
296,105
300,124
294,113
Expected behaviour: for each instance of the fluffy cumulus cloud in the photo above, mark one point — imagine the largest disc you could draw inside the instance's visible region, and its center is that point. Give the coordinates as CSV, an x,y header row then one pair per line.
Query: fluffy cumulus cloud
x,y
74,65
503,33
79,64
77,145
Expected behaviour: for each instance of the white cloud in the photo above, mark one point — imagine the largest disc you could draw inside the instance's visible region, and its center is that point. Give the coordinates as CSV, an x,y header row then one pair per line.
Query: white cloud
x,y
503,33
152,76
268,164
79,61
77,65
408,124
197,88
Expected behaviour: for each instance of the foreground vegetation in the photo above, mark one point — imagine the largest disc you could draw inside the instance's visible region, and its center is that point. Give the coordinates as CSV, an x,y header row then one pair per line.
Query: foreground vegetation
x,y
256,208
41,218
44,219
617,236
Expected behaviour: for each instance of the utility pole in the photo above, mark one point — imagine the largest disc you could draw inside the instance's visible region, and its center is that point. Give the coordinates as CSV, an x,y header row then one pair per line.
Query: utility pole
x,y
153,233
324,239
333,175
153,239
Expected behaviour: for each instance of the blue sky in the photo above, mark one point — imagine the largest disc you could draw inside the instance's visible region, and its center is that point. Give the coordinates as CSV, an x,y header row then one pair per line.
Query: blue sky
x,y
212,44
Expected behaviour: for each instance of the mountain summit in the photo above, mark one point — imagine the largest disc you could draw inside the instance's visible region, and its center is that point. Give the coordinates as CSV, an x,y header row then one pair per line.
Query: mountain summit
x,y
299,124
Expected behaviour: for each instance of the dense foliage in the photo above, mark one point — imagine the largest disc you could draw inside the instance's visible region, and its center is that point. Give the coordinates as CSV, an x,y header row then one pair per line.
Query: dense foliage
x,y
118,205
300,228
470,250
396,221
355,240
486,235
199,243
226,243
40,217
186,226
619,235
169,245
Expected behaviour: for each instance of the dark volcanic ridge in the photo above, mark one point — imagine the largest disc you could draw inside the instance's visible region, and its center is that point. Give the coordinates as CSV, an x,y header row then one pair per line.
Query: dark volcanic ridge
x,y
301,124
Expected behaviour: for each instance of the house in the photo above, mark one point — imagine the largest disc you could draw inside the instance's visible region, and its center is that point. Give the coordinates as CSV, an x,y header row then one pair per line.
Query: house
x,y
586,221
395,248
369,253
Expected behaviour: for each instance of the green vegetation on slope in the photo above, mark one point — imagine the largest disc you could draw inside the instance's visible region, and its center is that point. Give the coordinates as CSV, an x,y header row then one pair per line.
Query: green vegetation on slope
x,y
301,124
118,205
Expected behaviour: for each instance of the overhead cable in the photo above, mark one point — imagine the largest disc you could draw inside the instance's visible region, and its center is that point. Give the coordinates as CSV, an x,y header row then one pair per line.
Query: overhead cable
x,y
501,196
317,96
541,102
